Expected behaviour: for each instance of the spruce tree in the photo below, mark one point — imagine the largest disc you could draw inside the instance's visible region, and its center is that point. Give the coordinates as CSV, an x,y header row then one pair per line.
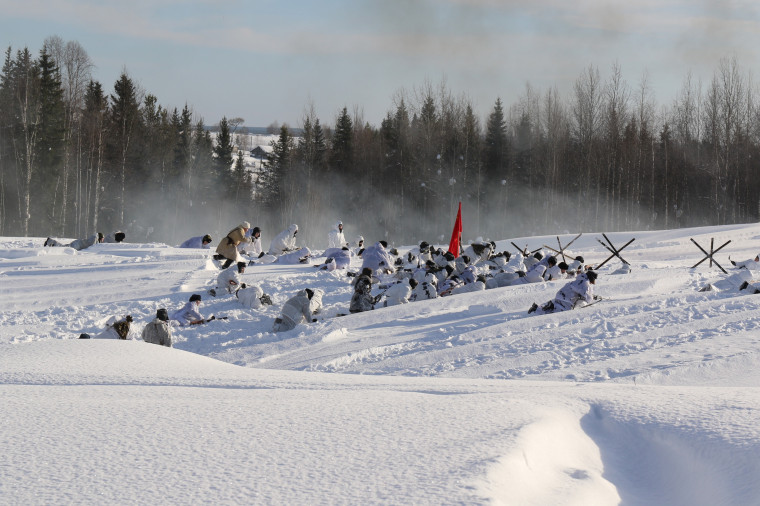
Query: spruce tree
x,y
342,144
48,179
124,124
223,149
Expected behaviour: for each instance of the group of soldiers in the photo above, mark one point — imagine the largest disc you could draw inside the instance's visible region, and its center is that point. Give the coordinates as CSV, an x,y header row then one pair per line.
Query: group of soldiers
x,y
424,272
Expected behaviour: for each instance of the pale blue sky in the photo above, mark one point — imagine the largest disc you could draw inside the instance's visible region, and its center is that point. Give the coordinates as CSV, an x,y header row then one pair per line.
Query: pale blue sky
x,y
265,60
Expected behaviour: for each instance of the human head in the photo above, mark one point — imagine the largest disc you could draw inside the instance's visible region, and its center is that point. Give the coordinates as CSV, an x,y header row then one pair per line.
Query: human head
x,y
256,232
241,267
537,255
309,293
206,239
119,236
580,259
162,314
563,266
384,244
552,261
245,225
340,226
195,298
591,275
366,271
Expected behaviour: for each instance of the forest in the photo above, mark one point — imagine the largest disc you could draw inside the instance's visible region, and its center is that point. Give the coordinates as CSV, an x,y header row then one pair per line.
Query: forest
x,y
76,157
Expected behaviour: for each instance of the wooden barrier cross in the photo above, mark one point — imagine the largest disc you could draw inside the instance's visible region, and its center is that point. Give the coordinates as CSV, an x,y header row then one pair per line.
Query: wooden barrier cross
x,y
710,254
561,250
524,251
615,252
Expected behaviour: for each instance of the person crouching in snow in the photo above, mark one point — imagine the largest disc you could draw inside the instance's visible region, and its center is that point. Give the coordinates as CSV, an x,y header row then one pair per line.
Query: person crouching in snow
x,y
376,257
335,238
423,290
229,280
158,331
362,299
116,328
227,247
284,241
253,297
398,293
296,310
580,289
253,249
190,313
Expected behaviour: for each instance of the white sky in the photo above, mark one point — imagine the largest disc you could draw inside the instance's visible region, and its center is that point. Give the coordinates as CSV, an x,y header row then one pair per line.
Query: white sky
x,y
266,60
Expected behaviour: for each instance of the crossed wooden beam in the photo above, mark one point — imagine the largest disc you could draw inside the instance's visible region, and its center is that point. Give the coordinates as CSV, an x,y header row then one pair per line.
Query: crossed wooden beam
x,y
612,249
710,254
524,250
561,250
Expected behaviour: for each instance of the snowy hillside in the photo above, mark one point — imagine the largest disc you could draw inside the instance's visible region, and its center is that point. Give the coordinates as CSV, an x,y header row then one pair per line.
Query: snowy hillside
x,y
648,397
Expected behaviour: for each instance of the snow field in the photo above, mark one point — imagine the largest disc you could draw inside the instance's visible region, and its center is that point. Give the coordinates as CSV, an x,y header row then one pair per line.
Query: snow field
x,y
648,397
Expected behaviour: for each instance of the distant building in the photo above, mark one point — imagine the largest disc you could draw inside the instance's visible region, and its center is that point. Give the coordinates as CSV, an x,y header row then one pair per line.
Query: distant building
x,y
261,152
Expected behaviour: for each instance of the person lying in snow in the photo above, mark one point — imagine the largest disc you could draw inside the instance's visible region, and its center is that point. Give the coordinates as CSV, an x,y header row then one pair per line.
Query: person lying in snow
x,y
747,264
580,289
115,237
78,244
299,256
296,310
190,313
201,241
337,258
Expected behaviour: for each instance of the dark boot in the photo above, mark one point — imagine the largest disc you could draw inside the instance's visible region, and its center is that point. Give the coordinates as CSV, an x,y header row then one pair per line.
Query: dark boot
x,y
533,308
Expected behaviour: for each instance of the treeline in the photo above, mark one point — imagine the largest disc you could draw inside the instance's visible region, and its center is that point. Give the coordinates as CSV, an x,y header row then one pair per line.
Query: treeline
x,y
75,159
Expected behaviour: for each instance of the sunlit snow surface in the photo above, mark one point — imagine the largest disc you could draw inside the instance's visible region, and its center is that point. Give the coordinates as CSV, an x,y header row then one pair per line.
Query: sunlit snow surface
x,y
649,397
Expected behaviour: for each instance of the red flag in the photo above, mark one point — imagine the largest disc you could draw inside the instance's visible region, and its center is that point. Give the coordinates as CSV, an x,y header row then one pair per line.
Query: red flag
x,y
456,235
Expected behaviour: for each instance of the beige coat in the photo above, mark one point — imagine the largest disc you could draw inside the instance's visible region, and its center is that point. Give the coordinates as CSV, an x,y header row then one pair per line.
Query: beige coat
x,y
228,245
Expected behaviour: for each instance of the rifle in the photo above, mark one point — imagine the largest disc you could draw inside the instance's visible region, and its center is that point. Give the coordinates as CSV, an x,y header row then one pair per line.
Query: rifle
x,y
200,322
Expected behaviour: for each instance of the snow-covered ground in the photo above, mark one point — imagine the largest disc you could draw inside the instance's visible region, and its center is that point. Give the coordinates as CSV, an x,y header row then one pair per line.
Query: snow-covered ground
x,y
648,397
